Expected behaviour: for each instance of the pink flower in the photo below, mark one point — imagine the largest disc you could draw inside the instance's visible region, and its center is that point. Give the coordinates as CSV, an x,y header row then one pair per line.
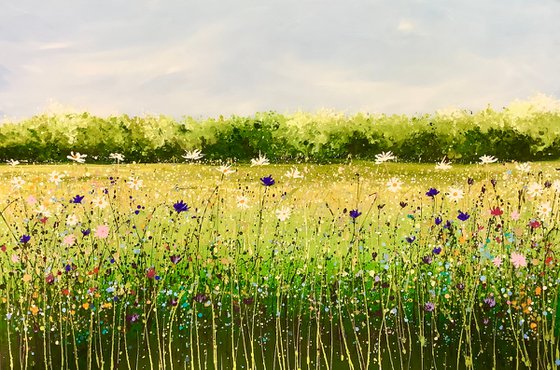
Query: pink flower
x,y
518,260
69,240
515,215
102,231
497,261
31,200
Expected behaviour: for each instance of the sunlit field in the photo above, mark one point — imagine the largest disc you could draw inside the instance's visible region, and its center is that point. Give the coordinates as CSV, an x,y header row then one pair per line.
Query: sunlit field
x,y
300,266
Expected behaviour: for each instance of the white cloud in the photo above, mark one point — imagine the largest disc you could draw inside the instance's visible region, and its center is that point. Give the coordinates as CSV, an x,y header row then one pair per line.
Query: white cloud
x,y
405,26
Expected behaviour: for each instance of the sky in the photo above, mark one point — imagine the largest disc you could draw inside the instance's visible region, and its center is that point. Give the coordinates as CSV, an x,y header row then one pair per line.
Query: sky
x,y
206,57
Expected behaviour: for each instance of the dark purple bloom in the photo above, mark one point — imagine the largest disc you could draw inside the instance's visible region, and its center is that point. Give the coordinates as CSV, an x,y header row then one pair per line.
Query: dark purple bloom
x,y
494,182
67,268
77,199
354,213
181,206
432,192
486,321
175,259
410,239
427,259
403,204
200,298
438,220
447,225
547,184
463,216
86,232
267,180
132,318
429,306
25,239
470,181
436,250
461,286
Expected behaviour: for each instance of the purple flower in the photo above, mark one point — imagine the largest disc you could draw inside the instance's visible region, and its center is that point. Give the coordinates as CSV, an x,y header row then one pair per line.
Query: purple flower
x,y
133,318
436,250
354,214
410,239
68,268
181,206
175,259
547,184
463,216
429,306
432,192
447,225
438,220
494,182
77,199
86,232
25,239
267,180
490,302
200,297
427,259
470,181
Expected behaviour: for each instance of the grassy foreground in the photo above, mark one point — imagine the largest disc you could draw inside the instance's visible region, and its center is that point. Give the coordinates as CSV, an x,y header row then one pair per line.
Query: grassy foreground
x,y
339,266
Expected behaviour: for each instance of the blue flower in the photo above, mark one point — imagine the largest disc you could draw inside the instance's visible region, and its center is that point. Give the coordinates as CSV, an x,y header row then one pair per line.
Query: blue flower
x,y
77,199
438,220
432,192
463,216
267,181
86,232
25,239
354,214
436,250
181,207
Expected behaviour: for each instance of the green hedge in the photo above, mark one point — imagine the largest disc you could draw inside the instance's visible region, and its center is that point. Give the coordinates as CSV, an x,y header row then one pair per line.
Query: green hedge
x,y
320,137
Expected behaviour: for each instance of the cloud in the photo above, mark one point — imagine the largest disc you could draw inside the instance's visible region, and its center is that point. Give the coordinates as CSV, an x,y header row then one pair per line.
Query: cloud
x,y
405,26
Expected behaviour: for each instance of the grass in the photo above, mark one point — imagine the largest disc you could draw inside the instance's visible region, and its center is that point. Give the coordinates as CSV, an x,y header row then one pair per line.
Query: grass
x,y
122,279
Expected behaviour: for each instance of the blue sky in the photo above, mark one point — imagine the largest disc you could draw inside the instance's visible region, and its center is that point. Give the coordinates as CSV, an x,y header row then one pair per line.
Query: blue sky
x,y
205,58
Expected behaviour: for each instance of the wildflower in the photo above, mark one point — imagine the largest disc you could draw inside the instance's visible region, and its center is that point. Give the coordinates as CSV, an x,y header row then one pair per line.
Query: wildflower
x,y
133,318
294,174
523,167
77,157
486,159
193,155
544,209
77,199
429,306
12,162
470,181
455,194
556,185
260,161
267,181
175,259
17,183
497,261
86,232
436,250
515,215
534,224
69,240
283,213
443,165
490,302
410,239
534,189
180,206
102,231
384,157
463,216
432,192
25,239
135,183
354,214
496,211
242,202
394,184
56,177
438,220
518,260
427,259
151,273
225,170
116,156
100,203
72,220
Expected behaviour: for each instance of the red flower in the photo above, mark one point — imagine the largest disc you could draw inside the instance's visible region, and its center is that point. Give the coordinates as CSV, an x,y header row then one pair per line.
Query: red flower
x,y
65,291
549,261
44,220
535,224
496,211
151,273
3,247
50,278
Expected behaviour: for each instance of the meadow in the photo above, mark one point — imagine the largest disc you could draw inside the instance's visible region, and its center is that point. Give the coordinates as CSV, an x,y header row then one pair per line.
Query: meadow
x,y
354,265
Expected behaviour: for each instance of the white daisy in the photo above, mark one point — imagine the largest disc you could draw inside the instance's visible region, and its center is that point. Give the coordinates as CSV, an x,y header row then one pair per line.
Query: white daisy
x,y
293,174
283,213
455,194
394,184
100,203
384,157
486,159
12,162
17,183
225,170
135,183
193,155
56,177
544,209
534,189
523,167
443,165
117,157
260,161
77,157
242,202
72,220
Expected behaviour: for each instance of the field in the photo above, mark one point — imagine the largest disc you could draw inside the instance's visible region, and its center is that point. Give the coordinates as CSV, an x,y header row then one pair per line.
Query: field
x,y
298,266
